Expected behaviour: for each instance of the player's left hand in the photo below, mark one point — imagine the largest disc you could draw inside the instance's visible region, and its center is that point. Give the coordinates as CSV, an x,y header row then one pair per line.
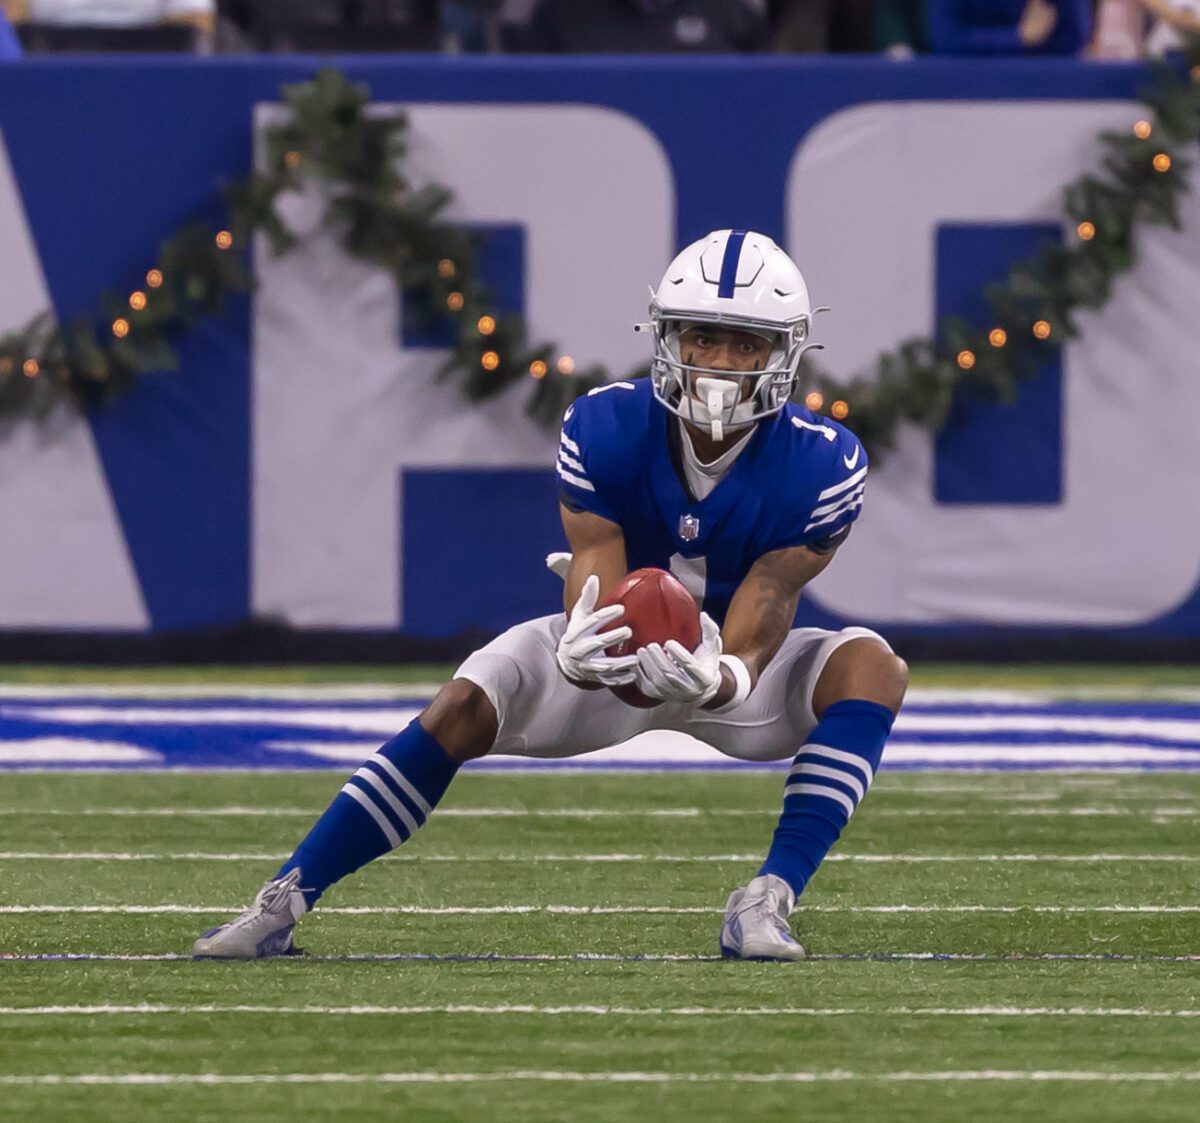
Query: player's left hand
x,y
671,673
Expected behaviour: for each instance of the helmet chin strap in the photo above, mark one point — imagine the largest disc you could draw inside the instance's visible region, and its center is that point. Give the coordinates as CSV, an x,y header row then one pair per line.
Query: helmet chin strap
x,y
719,395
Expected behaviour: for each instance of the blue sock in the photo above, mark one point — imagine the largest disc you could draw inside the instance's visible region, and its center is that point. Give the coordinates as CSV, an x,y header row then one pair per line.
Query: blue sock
x,y
382,805
828,780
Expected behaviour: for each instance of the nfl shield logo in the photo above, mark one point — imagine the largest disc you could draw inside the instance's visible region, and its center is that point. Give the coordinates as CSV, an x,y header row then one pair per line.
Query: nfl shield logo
x,y
689,527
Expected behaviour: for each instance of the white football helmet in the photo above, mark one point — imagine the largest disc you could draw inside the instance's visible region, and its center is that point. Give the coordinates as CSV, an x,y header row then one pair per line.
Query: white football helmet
x,y
737,279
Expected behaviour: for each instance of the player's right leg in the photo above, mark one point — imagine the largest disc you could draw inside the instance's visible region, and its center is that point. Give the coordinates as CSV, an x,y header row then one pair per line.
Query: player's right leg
x,y
381,806
509,696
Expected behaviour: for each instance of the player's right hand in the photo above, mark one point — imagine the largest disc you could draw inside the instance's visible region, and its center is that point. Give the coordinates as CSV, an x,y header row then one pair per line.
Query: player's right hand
x,y
581,650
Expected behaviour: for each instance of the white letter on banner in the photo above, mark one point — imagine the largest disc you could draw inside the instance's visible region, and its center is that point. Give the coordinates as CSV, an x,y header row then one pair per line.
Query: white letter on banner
x,y
867,190
340,410
63,555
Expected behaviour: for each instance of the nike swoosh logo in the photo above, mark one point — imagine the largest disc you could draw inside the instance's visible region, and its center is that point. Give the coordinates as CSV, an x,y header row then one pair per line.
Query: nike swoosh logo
x,y
571,410
850,461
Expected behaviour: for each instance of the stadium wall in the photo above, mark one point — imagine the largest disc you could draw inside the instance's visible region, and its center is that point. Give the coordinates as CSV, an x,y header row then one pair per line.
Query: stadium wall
x,y
304,487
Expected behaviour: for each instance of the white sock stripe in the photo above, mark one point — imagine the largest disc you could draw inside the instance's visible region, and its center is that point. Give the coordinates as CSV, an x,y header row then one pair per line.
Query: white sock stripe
x,y
852,782
389,797
821,789
419,801
842,757
359,796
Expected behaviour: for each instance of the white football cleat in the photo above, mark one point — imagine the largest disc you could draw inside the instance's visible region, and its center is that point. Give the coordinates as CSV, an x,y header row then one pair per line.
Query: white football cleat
x,y
263,930
756,924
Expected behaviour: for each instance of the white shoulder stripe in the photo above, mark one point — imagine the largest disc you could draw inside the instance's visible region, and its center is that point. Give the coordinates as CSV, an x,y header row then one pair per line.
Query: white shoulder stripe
x,y
568,443
571,462
835,516
573,479
837,503
837,489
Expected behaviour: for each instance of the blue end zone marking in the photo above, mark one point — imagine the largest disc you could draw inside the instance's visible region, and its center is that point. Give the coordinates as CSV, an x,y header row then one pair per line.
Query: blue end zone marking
x,y
58,732
991,451
729,263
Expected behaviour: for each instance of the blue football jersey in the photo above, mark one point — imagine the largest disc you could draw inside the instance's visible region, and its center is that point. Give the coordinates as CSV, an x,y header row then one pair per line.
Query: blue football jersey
x,y
798,482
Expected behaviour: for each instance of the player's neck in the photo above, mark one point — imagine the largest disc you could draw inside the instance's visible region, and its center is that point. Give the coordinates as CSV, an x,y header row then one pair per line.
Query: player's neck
x,y
708,450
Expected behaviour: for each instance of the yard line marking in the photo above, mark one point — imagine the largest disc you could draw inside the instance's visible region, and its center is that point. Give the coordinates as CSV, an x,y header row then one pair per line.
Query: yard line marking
x,y
599,957
586,910
159,1079
201,856
608,1011
603,812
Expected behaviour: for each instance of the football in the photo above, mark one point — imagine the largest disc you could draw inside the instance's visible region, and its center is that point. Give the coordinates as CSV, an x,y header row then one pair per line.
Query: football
x,y
657,608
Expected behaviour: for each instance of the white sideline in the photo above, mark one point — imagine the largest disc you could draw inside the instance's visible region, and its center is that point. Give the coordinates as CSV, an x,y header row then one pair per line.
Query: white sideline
x,y
156,1079
585,910
202,856
612,1011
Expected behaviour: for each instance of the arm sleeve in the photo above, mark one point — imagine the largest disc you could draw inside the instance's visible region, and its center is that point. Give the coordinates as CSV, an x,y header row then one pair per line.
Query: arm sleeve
x,y
585,477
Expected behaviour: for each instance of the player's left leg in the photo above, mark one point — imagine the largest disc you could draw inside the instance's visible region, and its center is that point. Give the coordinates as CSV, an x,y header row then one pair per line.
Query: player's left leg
x,y
837,694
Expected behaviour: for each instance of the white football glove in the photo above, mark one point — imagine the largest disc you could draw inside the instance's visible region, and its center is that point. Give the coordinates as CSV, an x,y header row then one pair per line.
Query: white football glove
x,y
671,673
581,650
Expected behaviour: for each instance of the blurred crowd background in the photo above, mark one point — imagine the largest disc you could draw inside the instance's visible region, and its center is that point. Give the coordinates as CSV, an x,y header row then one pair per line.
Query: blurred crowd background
x,y
1106,29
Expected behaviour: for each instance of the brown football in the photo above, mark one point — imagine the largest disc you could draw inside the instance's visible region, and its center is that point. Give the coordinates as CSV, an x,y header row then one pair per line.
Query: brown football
x,y
657,608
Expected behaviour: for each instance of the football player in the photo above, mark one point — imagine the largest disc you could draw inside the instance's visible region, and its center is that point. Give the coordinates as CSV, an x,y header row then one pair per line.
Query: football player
x,y
706,469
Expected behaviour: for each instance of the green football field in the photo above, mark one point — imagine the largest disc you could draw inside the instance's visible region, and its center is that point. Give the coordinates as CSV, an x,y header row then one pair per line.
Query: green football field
x,y
1003,945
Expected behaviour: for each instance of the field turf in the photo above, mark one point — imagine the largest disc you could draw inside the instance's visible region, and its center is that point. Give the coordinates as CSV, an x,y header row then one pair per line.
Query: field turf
x,y
999,945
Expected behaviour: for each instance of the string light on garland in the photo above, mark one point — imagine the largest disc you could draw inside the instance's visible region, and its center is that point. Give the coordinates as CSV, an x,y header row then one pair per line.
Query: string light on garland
x,y
455,302
1086,231
489,360
137,301
446,268
997,337
839,411
6,367
566,365
224,240
292,159
1196,74
814,401
120,328
538,369
486,325
154,278
1162,162
1142,130
966,359
1041,330
30,368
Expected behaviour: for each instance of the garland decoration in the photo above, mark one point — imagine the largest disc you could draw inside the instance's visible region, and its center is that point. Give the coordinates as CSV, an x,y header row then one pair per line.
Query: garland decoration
x,y
379,217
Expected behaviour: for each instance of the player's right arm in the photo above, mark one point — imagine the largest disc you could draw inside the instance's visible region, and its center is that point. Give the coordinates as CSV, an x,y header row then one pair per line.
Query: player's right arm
x,y
597,546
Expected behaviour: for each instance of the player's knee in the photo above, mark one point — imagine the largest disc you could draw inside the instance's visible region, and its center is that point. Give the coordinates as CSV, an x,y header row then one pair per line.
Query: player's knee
x,y
462,720
862,668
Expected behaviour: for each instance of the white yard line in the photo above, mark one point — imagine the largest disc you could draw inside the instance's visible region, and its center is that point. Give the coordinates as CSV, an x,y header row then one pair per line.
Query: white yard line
x,y
840,1076
584,910
609,1011
202,856
601,812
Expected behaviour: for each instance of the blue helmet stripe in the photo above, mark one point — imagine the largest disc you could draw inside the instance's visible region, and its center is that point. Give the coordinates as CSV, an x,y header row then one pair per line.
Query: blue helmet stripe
x,y
729,263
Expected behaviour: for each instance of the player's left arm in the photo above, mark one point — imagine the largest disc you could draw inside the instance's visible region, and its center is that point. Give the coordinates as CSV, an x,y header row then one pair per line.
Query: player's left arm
x,y
762,610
